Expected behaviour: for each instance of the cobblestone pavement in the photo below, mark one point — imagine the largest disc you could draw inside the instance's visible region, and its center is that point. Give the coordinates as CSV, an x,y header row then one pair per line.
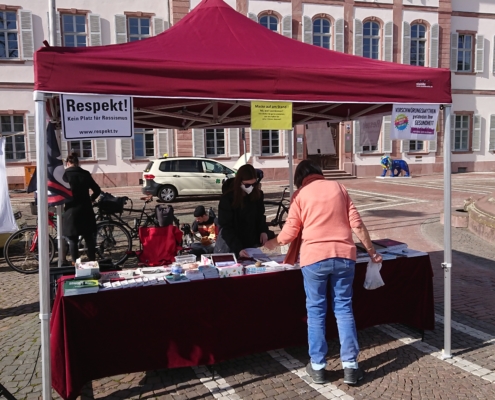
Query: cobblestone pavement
x,y
399,365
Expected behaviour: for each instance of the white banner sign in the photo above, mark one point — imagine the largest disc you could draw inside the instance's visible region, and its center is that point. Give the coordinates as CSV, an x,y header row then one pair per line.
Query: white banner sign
x,y
370,127
414,122
97,117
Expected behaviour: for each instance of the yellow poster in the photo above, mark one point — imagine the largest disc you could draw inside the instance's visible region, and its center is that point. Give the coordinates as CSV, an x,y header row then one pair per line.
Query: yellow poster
x,y
271,115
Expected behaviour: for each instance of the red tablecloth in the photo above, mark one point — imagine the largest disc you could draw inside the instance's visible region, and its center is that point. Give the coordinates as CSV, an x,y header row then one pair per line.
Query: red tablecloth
x,y
208,321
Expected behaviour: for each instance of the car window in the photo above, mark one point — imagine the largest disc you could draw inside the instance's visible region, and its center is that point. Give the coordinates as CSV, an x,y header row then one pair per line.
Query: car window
x,y
190,166
213,167
148,167
165,166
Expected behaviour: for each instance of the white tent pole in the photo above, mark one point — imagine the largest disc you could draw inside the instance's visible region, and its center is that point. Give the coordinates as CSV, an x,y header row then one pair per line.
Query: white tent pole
x,y
60,238
52,22
43,250
447,235
289,152
243,132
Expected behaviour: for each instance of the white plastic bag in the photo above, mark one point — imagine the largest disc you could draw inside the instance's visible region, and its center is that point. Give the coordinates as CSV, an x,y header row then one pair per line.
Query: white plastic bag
x,y
373,278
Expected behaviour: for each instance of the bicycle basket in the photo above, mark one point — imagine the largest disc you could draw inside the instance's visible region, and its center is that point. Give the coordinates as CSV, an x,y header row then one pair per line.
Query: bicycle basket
x,y
109,204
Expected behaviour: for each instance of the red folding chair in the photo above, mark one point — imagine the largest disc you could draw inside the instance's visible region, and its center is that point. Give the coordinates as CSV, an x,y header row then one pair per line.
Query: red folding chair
x,y
159,245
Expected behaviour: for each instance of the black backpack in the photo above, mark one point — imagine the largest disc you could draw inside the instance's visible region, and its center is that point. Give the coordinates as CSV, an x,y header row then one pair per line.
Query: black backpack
x,y
164,214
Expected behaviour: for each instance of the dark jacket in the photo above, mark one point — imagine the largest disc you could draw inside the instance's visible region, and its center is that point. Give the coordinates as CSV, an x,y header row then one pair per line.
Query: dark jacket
x,y
240,228
79,217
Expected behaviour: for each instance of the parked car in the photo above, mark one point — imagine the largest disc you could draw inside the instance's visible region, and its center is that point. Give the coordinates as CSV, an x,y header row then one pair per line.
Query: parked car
x,y
167,178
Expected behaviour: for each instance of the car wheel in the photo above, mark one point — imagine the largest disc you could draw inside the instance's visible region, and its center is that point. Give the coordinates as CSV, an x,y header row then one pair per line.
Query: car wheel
x,y
168,193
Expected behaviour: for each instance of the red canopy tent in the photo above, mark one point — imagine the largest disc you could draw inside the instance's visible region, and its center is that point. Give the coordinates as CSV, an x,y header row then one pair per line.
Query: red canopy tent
x,y
216,53
204,71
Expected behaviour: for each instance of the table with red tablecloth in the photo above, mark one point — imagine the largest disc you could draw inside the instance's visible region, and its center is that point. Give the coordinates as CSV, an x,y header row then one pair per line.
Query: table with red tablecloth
x,y
208,321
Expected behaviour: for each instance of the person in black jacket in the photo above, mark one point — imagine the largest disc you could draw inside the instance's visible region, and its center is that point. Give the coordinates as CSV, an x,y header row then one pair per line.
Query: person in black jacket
x,y
241,215
79,217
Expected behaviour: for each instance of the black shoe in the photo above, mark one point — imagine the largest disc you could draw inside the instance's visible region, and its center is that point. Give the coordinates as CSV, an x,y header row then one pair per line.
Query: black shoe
x,y
352,376
318,376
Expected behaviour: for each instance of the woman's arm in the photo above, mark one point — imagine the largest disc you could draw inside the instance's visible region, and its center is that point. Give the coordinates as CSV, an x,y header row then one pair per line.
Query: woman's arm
x,y
95,188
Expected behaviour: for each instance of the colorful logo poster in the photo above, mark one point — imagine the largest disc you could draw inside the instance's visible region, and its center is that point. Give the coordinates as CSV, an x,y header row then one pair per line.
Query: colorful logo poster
x,y
414,121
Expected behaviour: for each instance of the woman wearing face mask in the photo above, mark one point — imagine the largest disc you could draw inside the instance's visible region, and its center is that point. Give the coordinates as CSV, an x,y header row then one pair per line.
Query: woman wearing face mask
x,y
241,215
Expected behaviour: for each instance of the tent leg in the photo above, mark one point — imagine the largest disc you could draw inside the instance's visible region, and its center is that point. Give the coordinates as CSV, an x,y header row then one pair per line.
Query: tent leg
x,y
291,160
447,236
60,238
243,133
43,250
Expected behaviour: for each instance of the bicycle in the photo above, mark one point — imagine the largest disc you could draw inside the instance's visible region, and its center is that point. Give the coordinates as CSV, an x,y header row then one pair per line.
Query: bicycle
x,y
282,210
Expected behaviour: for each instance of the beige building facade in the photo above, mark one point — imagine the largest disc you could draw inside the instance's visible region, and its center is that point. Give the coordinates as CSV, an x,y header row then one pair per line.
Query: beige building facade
x,y
454,34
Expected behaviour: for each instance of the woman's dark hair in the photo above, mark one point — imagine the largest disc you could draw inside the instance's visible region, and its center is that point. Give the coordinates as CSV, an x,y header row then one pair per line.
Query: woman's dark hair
x,y
303,169
73,159
245,173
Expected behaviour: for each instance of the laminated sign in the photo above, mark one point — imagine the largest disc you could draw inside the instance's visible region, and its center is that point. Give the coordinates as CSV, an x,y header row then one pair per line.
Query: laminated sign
x,y
271,115
97,117
414,121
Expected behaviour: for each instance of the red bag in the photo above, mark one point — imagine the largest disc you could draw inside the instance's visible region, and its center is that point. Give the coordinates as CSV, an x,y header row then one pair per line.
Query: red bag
x,y
160,245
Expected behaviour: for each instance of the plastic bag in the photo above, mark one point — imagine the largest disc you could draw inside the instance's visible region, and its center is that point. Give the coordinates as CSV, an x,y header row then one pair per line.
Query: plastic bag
x,y
373,279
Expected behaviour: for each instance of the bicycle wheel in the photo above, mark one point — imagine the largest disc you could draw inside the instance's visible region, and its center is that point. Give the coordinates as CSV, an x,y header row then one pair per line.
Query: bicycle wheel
x,y
284,212
21,250
113,241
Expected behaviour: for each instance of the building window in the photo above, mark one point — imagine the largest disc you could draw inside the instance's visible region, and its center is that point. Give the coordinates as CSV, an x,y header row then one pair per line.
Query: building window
x,y
215,142
74,30
12,127
83,148
461,133
416,145
367,149
418,45
139,28
371,40
144,143
9,43
270,22
270,142
321,33
465,53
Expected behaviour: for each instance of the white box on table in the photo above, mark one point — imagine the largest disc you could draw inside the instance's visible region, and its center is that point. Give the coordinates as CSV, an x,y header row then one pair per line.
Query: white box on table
x,y
86,268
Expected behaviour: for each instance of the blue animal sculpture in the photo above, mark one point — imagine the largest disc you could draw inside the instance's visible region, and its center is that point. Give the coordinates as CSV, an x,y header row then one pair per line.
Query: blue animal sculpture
x,y
394,166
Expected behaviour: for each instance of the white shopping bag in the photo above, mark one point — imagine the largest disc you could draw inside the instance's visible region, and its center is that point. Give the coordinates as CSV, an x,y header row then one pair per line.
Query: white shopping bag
x,y
373,278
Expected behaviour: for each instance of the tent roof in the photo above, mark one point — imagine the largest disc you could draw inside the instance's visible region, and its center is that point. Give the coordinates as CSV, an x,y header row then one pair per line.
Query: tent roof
x,y
216,53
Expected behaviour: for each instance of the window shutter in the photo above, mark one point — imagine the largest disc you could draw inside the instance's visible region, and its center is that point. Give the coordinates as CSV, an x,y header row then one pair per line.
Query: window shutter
x,y
63,148
356,135
308,30
287,26
94,30
198,142
234,142
253,16
434,39
286,143
432,146
454,38
387,142
165,142
491,146
358,37
339,35
405,146
126,149
26,22
255,142
476,133
59,31
452,132
406,43
493,55
388,43
101,149
31,130
158,26
300,146
480,53
120,28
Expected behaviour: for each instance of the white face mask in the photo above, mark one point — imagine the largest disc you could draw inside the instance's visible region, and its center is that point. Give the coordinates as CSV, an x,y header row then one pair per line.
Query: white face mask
x,y
247,190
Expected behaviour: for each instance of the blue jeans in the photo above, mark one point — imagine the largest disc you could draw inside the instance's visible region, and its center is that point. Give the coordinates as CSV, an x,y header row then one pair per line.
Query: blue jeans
x,y
340,273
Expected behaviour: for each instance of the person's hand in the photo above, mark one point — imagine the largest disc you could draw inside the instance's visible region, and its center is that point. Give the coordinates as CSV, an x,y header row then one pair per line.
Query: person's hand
x,y
271,244
376,258
263,238
244,253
